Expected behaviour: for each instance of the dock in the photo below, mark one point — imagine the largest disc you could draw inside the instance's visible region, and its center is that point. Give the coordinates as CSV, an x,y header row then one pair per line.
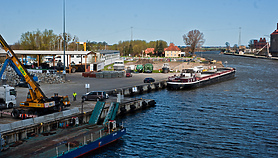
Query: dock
x,y
41,135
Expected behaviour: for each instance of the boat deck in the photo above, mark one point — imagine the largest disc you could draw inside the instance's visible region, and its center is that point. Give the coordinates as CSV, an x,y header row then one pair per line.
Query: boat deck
x,y
48,146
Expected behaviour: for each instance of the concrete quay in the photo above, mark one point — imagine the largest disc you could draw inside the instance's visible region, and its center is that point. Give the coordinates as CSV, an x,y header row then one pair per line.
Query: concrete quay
x,y
252,56
14,130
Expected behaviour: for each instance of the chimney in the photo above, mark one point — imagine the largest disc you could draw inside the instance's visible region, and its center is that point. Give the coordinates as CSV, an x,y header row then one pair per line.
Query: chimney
x,y
277,26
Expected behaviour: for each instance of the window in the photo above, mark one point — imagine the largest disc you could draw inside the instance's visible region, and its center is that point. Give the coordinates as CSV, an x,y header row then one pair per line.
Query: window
x,y
93,93
72,56
12,92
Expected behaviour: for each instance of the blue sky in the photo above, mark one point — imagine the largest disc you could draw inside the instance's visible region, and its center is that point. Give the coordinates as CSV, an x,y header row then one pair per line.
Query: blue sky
x,y
169,20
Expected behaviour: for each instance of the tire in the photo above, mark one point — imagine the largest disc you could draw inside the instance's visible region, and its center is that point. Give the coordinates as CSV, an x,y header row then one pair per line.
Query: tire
x,y
73,70
15,113
10,105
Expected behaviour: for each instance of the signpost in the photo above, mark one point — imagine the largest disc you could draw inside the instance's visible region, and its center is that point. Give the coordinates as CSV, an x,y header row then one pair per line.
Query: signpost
x,y
87,86
134,90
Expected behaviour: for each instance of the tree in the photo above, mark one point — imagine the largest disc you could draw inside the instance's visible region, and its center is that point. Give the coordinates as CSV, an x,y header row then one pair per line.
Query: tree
x,y
251,44
227,46
160,49
194,39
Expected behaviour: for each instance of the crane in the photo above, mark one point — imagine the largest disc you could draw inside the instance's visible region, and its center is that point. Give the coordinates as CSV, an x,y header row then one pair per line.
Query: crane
x,y
36,103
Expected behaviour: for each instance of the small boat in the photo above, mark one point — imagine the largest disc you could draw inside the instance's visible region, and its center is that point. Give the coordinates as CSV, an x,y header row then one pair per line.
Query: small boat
x,y
165,68
198,76
111,133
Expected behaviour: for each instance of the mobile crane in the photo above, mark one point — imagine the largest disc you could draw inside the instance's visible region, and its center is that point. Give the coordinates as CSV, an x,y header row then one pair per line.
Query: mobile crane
x,y
36,103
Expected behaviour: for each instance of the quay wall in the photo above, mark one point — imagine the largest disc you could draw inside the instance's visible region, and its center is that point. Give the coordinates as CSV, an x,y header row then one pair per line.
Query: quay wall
x,y
20,130
140,89
252,56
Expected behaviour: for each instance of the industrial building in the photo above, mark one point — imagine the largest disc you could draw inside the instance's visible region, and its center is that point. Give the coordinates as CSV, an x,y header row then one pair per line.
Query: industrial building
x,y
274,43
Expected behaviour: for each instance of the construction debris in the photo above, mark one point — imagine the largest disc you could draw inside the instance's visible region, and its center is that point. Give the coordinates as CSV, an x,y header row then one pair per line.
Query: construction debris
x,y
49,78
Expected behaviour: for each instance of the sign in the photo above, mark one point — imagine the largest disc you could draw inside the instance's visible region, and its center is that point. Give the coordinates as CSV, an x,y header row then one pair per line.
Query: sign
x,y
87,85
21,70
9,53
134,89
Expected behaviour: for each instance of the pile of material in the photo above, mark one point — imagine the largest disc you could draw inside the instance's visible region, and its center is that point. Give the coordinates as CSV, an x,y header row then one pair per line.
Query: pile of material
x,y
49,78
144,61
13,79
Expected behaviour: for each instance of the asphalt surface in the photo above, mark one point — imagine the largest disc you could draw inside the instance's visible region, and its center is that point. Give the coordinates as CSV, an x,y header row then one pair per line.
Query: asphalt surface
x,y
76,83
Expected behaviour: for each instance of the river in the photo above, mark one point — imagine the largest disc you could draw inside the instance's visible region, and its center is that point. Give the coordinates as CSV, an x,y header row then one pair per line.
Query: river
x,y
235,118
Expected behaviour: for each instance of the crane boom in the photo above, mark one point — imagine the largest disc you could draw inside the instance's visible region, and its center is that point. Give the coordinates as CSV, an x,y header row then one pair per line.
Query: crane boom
x,y
34,89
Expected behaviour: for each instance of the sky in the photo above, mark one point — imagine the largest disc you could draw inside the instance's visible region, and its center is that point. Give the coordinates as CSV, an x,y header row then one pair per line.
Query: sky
x,y
150,20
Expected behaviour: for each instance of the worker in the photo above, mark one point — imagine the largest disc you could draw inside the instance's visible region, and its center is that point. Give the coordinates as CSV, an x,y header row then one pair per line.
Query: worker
x,y
74,96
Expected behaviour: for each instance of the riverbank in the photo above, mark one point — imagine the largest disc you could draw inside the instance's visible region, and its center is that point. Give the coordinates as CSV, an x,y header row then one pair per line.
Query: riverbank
x,y
252,56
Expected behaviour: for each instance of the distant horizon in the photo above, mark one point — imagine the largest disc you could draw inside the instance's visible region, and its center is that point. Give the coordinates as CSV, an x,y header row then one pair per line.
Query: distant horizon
x,y
150,20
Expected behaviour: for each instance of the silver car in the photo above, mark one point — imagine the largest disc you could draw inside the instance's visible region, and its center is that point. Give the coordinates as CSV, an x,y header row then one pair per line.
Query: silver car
x,y
95,95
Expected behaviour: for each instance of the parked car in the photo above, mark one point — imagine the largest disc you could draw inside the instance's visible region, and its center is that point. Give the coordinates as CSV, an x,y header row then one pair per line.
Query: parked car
x,y
95,95
149,80
128,74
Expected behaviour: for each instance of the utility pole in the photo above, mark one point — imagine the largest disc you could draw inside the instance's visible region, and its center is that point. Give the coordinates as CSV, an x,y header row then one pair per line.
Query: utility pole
x,y
64,28
239,38
131,33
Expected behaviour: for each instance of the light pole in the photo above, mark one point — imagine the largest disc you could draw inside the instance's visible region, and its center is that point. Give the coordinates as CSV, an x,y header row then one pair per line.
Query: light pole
x,y
64,28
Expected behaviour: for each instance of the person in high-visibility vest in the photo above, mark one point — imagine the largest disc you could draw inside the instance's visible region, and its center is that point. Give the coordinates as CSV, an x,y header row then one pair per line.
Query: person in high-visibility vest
x,y
74,96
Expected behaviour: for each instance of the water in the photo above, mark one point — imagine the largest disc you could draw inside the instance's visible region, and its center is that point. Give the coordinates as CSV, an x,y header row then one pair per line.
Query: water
x,y
235,118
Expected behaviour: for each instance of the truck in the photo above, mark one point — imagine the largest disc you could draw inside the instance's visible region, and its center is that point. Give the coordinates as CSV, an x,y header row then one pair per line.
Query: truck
x,y
7,97
97,66
119,65
148,68
139,68
36,103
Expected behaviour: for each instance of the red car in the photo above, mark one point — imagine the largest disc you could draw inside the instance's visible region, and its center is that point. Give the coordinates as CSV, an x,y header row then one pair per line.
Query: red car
x,y
128,74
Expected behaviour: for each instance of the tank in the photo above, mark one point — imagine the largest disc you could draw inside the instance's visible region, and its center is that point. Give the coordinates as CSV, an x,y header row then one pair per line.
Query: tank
x,y
148,68
139,68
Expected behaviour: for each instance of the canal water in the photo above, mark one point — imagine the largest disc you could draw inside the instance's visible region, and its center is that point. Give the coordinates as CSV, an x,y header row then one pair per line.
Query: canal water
x,y
235,118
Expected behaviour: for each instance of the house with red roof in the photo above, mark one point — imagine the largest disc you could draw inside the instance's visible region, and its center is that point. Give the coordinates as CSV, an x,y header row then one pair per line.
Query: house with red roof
x,y
172,51
149,50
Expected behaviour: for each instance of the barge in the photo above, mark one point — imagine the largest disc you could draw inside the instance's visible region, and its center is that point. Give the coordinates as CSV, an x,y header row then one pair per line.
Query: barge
x,y
198,77
70,139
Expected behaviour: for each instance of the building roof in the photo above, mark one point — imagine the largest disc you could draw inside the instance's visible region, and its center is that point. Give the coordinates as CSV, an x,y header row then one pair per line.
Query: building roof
x,y
47,52
50,52
276,31
149,50
172,47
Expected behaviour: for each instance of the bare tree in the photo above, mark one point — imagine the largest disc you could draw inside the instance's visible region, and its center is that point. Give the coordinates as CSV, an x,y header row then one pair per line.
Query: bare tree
x,y
194,39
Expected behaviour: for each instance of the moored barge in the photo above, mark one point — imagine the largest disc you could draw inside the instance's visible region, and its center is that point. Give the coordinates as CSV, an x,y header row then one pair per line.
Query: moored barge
x,y
70,139
198,77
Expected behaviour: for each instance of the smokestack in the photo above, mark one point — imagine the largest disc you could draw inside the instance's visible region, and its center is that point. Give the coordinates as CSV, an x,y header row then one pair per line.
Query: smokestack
x,y
277,26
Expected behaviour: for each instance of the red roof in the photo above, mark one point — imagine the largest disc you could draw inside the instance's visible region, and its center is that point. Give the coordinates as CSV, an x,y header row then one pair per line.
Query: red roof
x,y
276,31
149,50
172,47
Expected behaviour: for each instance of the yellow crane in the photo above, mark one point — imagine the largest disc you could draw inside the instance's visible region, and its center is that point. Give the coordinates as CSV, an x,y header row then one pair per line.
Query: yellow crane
x,y
36,103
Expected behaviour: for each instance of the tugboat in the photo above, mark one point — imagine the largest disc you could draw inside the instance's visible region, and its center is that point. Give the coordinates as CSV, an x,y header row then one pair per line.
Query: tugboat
x,y
198,76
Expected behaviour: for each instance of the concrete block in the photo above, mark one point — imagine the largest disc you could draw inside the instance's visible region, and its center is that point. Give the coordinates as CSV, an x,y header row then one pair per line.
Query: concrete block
x,y
48,118
28,122
16,124
75,110
5,127
58,115
67,113
145,88
152,86
39,119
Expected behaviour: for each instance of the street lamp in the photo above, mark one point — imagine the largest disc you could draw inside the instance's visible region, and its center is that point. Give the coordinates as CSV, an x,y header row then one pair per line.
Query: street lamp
x,y
64,72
